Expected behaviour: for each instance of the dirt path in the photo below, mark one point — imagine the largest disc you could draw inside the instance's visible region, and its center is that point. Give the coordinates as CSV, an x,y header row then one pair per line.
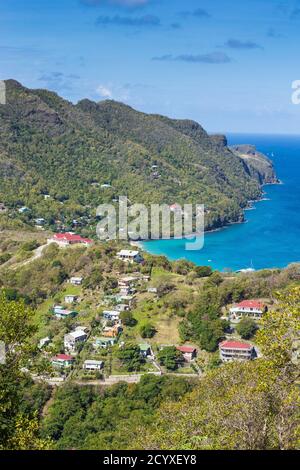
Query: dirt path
x,y
49,402
37,253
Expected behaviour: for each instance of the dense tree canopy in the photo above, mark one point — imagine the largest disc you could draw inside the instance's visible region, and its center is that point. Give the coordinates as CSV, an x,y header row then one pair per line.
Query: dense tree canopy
x,y
246,328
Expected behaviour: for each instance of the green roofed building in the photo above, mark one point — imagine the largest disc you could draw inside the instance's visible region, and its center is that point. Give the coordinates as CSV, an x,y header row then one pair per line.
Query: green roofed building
x,y
145,349
104,342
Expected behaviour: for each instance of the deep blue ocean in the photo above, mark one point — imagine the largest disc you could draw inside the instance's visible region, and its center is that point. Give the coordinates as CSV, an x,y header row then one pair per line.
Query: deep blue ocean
x,y
271,235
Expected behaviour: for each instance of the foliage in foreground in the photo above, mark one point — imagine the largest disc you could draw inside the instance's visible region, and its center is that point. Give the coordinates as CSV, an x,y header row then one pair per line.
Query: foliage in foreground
x,y
18,430
241,406
109,419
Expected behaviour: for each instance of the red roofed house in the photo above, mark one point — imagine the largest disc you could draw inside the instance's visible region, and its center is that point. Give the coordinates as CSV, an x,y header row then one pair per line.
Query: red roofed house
x,y
176,208
236,351
248,308
189,353
62,360
66,239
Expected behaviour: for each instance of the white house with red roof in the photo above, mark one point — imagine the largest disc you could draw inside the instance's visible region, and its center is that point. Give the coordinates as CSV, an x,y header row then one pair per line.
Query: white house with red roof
x,y
62,360
68,238
236,351
248,308
189,353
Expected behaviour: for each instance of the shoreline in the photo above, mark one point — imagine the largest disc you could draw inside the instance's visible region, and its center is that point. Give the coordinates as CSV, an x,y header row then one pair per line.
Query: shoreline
x,y
250,206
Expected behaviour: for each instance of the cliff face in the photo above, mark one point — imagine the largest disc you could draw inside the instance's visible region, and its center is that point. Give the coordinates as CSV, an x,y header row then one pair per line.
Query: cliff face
x,y
259,166
219,140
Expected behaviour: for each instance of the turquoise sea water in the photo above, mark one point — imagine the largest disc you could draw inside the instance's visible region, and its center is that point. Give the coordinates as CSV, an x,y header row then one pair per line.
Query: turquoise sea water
x,y
271,235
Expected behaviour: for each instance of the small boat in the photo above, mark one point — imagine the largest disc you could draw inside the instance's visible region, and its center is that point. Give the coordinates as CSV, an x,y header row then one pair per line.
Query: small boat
x,y
247,270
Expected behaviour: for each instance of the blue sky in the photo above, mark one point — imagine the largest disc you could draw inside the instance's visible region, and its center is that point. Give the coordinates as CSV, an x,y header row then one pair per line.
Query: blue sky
x,y
226,64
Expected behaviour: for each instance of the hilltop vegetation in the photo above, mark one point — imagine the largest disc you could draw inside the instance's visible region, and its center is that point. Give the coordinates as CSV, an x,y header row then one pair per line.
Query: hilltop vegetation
x,y
50,147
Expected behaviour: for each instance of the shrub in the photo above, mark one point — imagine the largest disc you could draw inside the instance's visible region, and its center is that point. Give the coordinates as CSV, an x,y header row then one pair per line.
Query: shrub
x,y
147,330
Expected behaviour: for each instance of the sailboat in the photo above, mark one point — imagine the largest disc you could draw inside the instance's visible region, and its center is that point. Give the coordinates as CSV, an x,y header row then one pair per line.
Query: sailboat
x,y
247,270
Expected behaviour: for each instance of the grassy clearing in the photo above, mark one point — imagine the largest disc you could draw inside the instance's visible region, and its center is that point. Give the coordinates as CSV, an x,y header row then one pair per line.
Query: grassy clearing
x,y
162,318
167,331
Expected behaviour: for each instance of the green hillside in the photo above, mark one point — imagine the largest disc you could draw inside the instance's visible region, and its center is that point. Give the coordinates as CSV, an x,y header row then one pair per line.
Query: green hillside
x,y
50,146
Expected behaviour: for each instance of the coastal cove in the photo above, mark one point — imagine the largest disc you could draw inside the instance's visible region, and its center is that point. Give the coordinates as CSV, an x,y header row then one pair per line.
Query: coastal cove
x,y
270,236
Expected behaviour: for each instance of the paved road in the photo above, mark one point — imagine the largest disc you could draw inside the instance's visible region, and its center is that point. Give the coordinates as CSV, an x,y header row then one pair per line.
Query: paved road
x,y
112,379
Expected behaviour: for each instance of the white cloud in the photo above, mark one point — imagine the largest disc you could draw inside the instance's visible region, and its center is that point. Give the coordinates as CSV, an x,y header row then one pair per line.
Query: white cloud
x,y
116,92
129,93
104,91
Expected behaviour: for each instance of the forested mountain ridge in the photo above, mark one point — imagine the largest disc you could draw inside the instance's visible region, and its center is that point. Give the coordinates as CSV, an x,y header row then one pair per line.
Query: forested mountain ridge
x,y
50,146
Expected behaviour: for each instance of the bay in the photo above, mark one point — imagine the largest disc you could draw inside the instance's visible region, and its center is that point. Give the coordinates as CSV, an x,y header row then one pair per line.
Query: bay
x,y
270,237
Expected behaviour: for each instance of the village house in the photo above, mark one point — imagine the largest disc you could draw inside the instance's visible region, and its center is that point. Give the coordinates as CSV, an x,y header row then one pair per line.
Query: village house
x,y
39,222
122,308
71,299
62,360
129,256
139,277
127,282
68,238
126,291
152,290
111,331
145,349
23,210
128,300
92,365
111,315
103,342
248,308
236,351
61,312
189,353
57,308
44,342
76,281
176,208
73,339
